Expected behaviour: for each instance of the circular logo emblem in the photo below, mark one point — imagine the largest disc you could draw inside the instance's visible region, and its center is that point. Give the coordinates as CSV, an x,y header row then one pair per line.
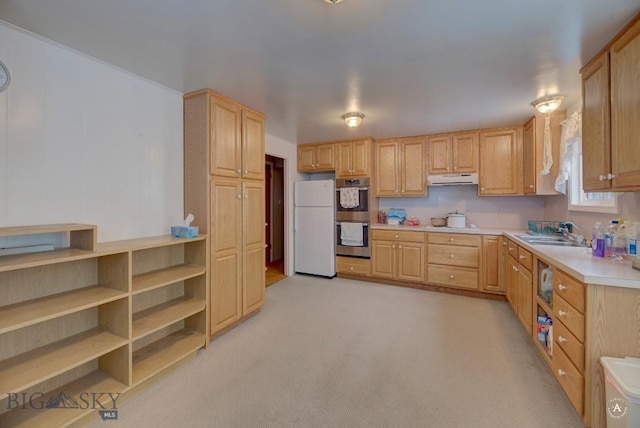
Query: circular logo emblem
x,y
617,408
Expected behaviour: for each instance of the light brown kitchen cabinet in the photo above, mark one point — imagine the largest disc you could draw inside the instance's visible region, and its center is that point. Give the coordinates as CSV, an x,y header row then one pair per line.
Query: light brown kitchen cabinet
x,y
400,166
237,138
454,260
353,158
492,277
227,200
500,162
535,183
316,157
237,236
397,255
353,266
611,94
520,283
453,153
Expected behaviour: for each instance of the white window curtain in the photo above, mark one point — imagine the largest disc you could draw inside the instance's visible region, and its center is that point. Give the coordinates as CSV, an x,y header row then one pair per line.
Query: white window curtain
x,y
569,148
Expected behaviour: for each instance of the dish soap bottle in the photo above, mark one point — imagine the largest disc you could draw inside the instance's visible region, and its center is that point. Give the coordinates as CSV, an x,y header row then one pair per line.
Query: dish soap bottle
x,y
597,240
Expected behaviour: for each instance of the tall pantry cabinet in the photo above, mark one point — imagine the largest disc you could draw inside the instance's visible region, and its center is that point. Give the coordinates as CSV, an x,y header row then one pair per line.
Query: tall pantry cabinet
x,y
224,190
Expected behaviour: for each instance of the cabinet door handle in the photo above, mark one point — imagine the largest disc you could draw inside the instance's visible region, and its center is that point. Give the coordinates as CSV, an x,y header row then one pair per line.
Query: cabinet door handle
x,y
351,268
238,171
504,243
239,196
450,239
396,236
562,287
561,372
246,196
601,178
393,246
246,171
530,186
450,256
611,176
522,257
561,339
562,313
451,276
399,246
517,269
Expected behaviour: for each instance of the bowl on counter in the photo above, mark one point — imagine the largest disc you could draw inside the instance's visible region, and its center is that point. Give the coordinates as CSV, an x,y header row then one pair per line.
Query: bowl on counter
x,y
438,221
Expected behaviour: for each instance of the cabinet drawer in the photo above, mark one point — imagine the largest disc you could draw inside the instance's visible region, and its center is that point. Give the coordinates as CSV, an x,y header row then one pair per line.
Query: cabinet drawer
x,y
398,235
454,256
512,249
462,239
569,289
353,266
570,317
525,258
570,378
573,348
453,276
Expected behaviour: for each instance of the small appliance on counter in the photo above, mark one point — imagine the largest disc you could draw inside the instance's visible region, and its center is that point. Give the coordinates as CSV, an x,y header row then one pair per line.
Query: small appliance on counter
x,y
456,220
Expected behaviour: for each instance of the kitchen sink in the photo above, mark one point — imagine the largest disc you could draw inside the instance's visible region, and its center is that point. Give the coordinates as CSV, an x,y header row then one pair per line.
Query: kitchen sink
x,y
557,241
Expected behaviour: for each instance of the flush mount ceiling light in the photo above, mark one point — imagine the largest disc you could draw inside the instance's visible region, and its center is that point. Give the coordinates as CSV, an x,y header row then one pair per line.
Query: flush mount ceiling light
x,y
333,1
352,119
547,104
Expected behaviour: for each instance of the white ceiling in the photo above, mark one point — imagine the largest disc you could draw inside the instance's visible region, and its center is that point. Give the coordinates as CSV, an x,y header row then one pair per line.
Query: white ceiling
x,y
411,66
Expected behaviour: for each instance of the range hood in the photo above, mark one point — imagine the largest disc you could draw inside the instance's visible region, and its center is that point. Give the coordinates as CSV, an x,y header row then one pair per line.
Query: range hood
x,y
452,179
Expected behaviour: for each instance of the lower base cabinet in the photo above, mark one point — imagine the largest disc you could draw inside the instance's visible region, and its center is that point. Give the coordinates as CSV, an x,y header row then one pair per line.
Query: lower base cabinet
x,y
454,260
353,266
398,255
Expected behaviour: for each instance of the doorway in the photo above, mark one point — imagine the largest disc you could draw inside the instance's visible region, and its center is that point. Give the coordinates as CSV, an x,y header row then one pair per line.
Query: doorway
x,y
274,219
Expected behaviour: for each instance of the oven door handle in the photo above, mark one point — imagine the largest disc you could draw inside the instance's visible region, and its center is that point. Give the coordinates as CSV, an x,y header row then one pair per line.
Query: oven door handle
x,y
339,223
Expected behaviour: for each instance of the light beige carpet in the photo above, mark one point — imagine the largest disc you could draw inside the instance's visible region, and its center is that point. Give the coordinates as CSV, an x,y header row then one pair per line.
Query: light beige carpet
x,y
339,353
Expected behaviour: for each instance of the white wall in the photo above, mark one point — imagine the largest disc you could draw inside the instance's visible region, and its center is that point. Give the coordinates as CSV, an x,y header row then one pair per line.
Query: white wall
x,y
286,150
83,141
504,212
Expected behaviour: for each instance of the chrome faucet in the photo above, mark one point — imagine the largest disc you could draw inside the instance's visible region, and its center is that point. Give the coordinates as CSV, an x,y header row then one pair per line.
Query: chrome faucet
x,y
578,238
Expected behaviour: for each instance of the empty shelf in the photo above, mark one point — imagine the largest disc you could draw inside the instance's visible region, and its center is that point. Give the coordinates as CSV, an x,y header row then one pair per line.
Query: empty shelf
x,y
160,316
160,278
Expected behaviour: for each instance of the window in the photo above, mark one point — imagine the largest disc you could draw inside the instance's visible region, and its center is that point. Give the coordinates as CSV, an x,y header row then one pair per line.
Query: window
x,y
600,202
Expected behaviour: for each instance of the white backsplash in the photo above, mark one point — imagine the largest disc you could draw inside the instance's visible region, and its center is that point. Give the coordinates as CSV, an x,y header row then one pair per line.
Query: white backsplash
x,y
500,212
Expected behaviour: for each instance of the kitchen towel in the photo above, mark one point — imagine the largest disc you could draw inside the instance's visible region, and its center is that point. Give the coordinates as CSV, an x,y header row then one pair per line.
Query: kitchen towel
x,y
351,234
349,197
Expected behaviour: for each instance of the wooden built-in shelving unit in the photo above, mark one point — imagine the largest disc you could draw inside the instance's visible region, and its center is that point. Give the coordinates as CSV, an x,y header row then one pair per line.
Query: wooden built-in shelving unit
x,y
95,318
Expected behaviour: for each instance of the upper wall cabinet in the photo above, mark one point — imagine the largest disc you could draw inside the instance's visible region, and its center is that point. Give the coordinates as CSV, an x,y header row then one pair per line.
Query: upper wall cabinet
x,y
400,167
353,158
533,154
611,107
453,153
316,157
500,162
231,136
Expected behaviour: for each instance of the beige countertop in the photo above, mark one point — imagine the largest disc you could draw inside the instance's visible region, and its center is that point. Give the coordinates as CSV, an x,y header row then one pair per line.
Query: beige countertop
x,y
576,261
423,228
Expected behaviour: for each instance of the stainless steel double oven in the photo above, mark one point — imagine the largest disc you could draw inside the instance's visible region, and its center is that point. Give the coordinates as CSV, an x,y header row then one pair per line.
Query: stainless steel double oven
x,y
357,216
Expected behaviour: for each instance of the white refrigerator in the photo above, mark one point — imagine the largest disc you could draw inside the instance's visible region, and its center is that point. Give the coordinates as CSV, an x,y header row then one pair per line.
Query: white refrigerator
x,y
315,227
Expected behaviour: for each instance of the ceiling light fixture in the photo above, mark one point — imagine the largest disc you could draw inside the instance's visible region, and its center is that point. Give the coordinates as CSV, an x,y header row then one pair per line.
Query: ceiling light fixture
x,y
352,119
333,1
547,104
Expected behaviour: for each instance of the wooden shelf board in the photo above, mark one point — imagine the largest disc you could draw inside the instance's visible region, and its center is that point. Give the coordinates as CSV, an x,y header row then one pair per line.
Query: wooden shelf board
x,y
28,369
544,305
165,352
45,308
44,228
94,382
144,243
162,277
22,261
160,316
